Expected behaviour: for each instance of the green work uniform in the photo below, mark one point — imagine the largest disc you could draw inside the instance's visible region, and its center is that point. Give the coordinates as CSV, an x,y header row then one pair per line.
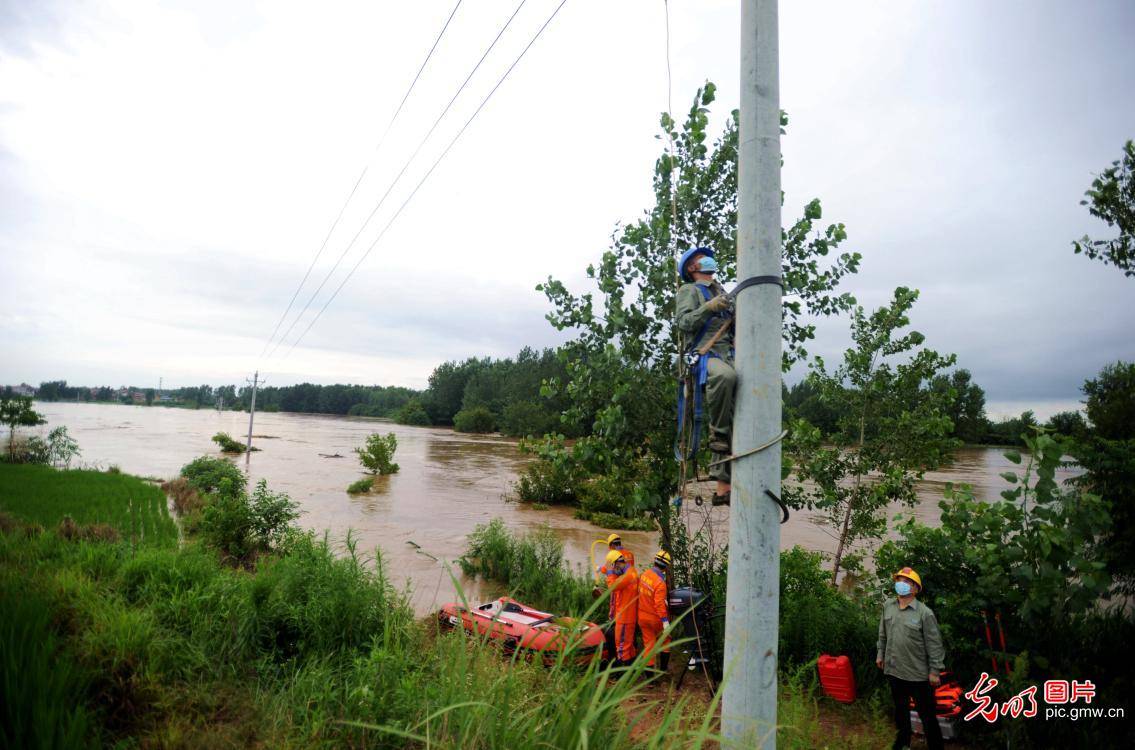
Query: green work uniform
x,y
910,645
721,378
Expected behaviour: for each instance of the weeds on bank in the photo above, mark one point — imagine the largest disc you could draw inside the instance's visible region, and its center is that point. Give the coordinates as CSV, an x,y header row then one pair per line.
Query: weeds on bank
x,y
530,566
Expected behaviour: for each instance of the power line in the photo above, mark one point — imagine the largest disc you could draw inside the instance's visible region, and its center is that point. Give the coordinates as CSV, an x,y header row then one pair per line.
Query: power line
x,y
395,181
359,181
426,176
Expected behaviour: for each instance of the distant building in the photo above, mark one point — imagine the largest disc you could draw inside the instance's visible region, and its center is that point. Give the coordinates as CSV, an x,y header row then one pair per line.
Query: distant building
x,y
23,389
138,397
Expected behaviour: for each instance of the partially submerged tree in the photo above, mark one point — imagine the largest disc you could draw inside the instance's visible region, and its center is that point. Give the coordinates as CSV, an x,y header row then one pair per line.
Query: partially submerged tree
x,y
892,427
1112,198
377,456
17,411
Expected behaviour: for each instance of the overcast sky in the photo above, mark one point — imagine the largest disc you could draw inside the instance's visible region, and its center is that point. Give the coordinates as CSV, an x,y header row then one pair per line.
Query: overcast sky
x,y
169,170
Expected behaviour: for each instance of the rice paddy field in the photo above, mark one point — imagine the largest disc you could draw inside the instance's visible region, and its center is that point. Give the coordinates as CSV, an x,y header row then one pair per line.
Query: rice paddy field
x,y
43,495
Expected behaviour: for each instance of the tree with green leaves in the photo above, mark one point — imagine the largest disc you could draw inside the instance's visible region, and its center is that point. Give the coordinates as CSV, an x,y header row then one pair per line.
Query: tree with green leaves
x,y
1112,198
377,456
17,411
892,427
620,386
967,404
1106,451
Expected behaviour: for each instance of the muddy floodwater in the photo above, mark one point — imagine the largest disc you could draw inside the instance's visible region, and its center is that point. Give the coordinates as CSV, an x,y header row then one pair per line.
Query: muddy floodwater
x,y
419,517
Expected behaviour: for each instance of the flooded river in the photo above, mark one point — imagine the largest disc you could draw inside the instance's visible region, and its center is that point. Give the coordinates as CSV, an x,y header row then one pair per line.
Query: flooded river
x,y
448,483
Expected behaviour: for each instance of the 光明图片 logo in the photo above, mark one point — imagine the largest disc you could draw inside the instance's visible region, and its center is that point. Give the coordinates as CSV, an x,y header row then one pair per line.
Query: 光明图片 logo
x,y
1057,695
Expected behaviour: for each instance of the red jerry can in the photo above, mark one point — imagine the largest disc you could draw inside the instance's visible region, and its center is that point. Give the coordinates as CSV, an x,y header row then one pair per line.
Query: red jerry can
x,y
837,677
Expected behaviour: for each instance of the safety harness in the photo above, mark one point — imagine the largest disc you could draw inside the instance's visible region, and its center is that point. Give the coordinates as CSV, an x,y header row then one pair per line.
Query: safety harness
x,y
695,374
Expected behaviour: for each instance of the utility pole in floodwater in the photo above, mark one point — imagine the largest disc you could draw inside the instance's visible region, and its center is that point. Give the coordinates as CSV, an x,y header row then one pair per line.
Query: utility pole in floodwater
x,y
748,712
251,414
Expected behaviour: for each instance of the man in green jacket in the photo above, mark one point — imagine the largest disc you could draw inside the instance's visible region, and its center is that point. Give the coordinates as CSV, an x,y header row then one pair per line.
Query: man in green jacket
x,y
703,309
910,654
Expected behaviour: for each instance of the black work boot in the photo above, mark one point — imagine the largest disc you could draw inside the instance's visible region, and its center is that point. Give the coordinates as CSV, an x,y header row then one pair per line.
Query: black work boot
x,y
664,661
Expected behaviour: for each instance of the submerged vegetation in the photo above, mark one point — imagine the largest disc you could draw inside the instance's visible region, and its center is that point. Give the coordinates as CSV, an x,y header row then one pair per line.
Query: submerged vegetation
x,y
228,445
366,484
377,456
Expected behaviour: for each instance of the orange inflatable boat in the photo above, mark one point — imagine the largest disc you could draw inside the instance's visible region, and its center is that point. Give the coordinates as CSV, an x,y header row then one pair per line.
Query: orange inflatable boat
x,y
515,626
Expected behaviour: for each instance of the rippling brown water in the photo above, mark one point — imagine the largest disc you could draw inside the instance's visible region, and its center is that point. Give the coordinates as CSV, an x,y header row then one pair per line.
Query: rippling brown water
x,y
448,483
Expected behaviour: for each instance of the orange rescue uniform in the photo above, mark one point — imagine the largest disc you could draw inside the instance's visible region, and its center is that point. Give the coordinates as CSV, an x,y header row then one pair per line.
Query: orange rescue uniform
x,y
624,603
653,612
610,576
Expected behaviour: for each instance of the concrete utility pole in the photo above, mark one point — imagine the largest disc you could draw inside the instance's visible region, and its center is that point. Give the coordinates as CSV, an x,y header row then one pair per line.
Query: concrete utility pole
x,y
252,413
753,591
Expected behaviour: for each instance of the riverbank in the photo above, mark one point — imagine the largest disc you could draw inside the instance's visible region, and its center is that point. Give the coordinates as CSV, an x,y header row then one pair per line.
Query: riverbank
x,y
449,483
152,644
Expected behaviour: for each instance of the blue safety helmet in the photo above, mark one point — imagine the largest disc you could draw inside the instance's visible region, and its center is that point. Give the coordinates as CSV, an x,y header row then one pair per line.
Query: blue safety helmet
x,y
707,251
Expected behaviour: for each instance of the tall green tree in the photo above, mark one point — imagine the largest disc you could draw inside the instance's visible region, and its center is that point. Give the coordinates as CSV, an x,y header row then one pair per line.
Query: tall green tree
x,y
620,386
893,426
1112,198
967,404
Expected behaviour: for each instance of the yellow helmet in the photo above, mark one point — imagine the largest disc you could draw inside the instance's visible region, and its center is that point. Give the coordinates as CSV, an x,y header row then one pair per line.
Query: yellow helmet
x,y
910,573
662,558
615,556
614,538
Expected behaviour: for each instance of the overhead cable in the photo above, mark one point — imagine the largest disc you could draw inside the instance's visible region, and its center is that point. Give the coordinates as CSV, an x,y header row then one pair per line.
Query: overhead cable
x,y
359,181
397,178
427,176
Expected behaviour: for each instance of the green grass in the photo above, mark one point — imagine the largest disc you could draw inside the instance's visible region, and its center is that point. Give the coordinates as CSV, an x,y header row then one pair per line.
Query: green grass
x,y
165,646
531,567
40,494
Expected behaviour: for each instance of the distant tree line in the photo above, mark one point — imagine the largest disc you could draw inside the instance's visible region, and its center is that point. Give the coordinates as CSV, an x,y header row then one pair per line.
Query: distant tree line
x,y
965,407
489,395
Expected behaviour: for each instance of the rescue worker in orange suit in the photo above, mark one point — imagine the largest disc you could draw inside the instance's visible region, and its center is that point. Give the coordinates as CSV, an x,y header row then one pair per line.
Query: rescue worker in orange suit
x,y
622,580
653,611
614,544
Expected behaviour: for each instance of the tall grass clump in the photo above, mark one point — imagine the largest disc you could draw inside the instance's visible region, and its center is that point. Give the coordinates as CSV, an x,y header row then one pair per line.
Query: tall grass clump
x,y
531,566
135,509
41,690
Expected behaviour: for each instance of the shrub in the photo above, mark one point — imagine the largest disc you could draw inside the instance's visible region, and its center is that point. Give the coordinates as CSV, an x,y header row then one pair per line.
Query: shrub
x,y
546,482
378,455
413,413
207,473
361,486
477,419
240,527
816,618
